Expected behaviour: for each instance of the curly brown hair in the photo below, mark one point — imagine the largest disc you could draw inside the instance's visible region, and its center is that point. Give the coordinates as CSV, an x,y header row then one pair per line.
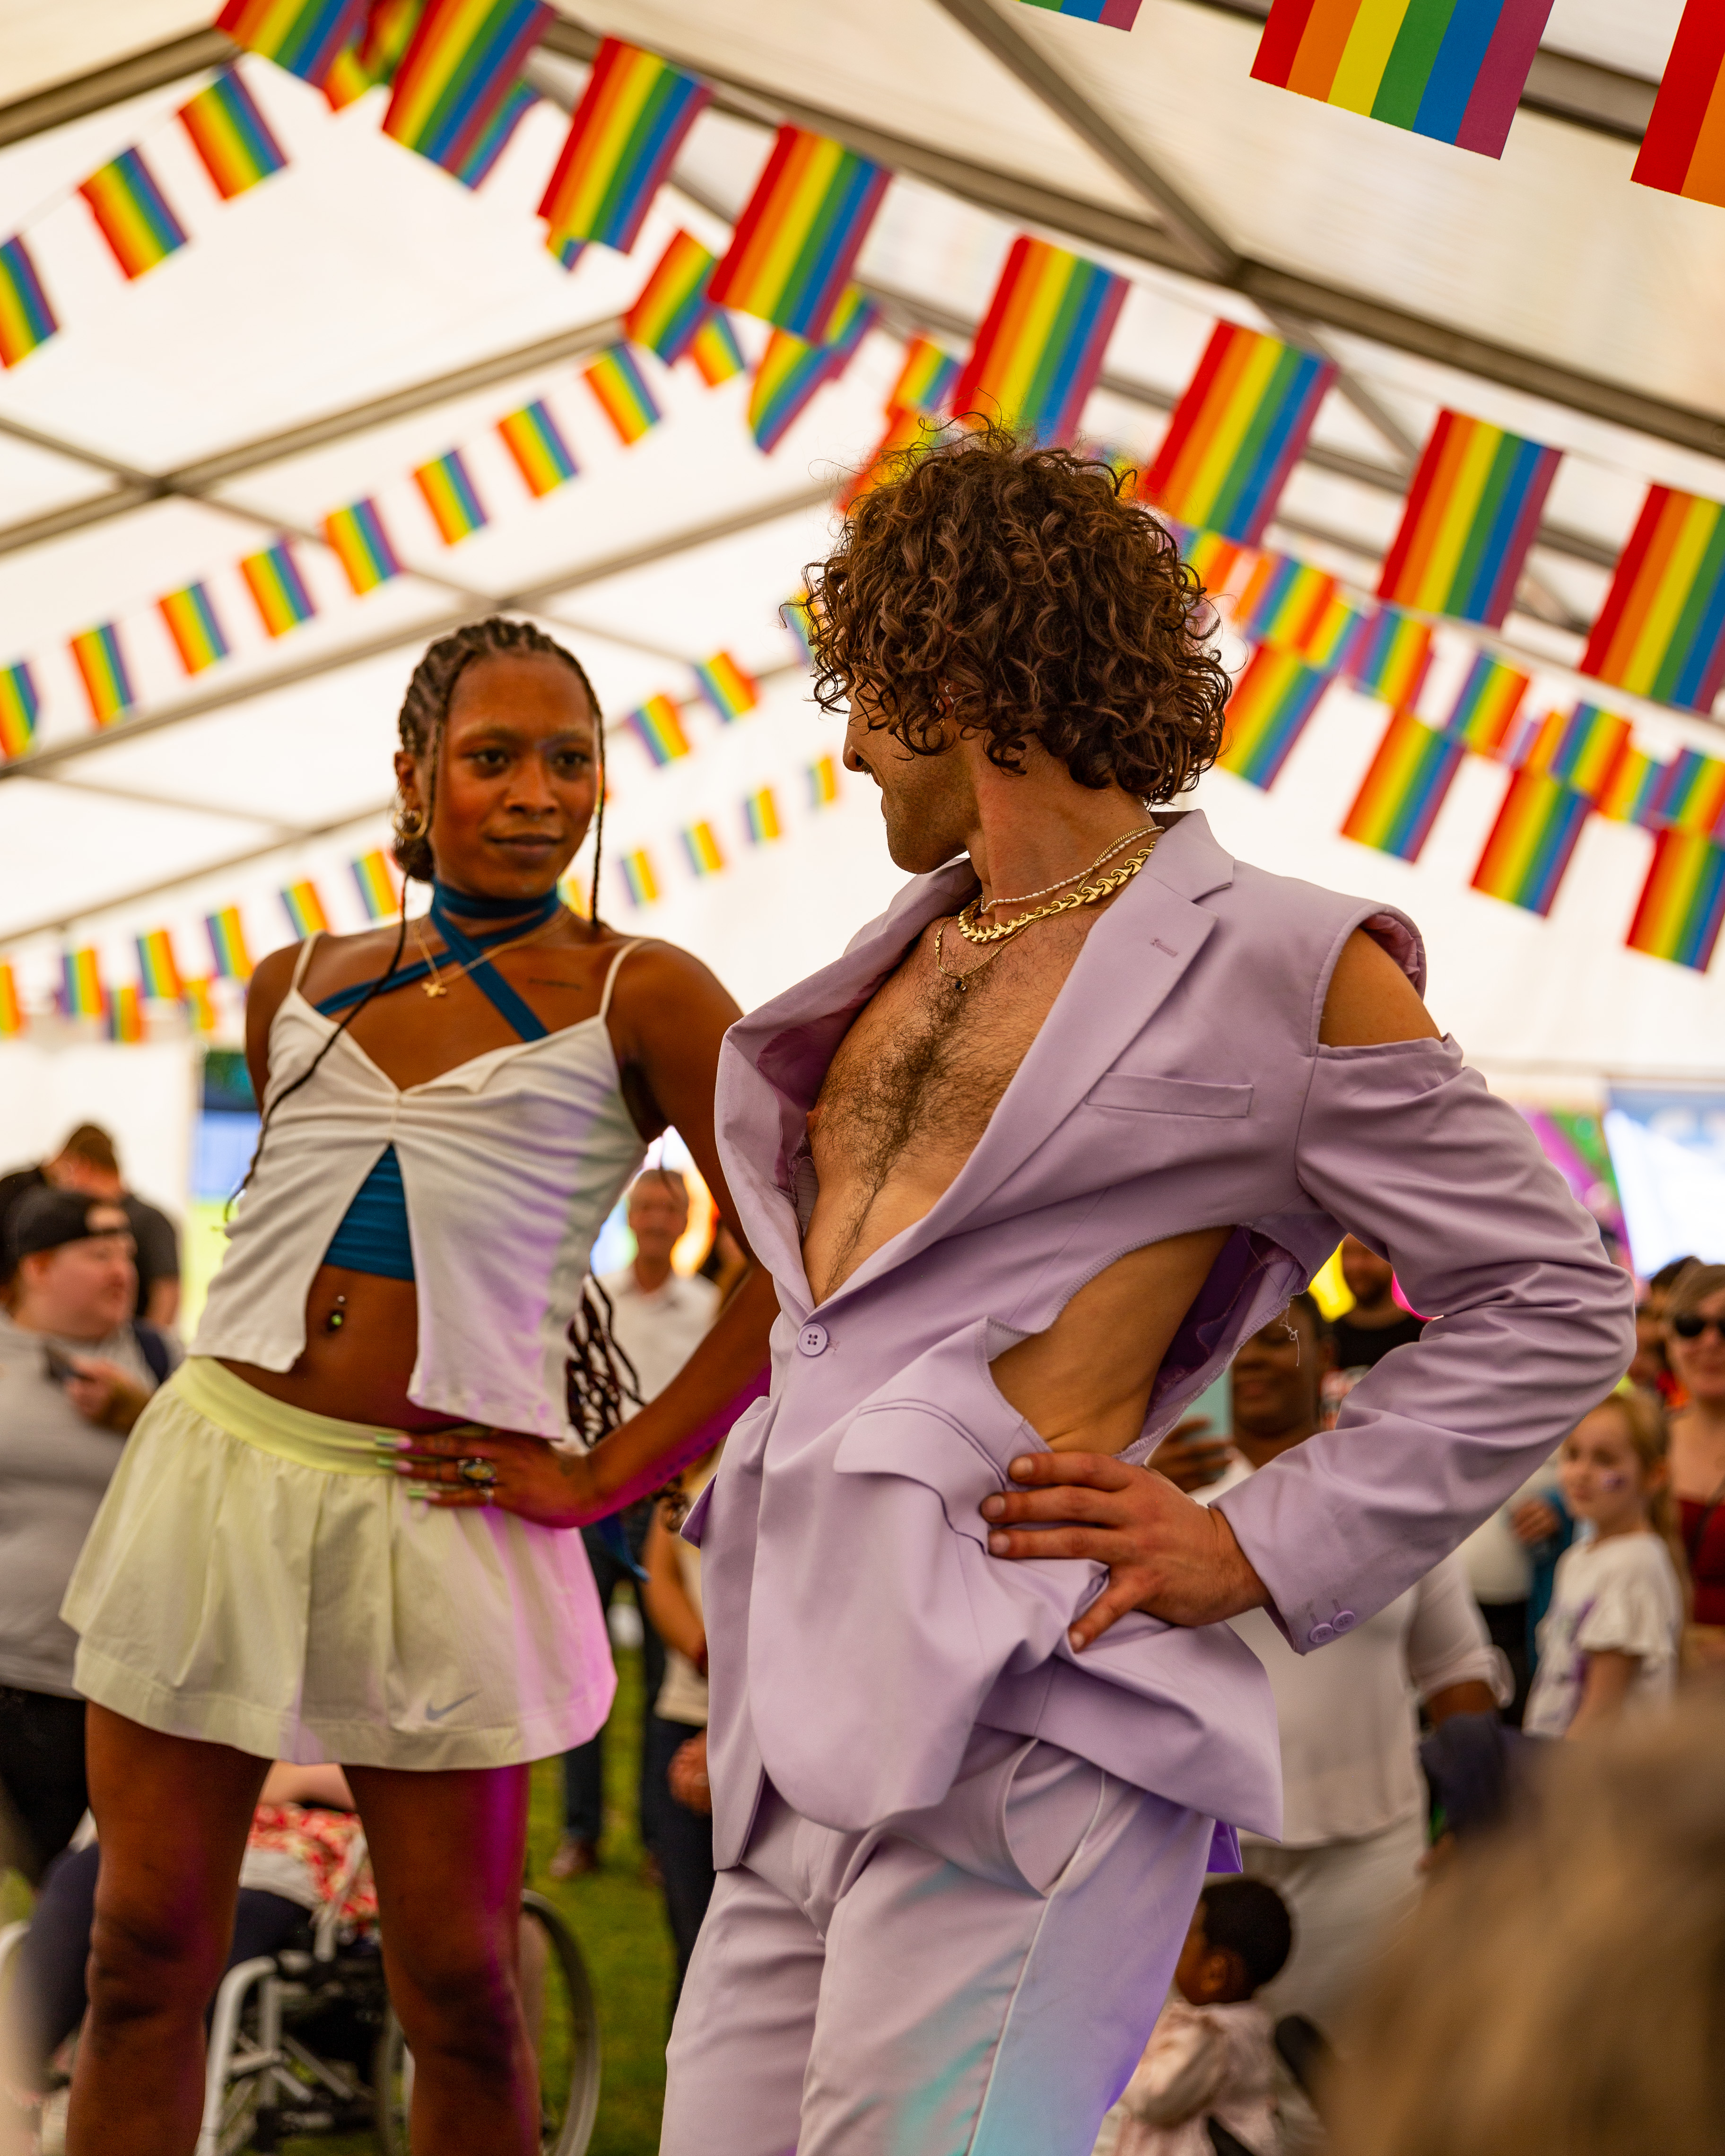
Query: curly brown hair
x,y
1011,591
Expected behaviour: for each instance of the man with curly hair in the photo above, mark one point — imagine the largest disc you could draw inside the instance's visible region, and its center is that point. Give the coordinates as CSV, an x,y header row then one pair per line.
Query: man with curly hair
x,y
1080,1113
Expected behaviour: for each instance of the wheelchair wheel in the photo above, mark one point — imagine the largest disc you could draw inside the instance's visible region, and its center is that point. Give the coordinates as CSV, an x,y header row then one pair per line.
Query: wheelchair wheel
x,y
562,2022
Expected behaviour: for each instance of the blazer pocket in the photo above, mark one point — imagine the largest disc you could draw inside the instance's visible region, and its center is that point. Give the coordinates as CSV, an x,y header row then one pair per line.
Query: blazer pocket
x,y
1168,1096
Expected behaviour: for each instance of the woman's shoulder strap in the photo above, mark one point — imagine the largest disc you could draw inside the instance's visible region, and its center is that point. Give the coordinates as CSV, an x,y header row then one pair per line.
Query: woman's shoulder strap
x,y
634,944
304,958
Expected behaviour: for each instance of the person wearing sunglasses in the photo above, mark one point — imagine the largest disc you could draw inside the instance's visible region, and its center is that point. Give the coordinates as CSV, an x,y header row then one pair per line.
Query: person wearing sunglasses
x,y
1695,1345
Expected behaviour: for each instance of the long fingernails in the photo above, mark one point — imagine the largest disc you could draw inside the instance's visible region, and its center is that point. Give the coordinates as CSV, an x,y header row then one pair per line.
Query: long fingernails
x,y
393,1444
426,1491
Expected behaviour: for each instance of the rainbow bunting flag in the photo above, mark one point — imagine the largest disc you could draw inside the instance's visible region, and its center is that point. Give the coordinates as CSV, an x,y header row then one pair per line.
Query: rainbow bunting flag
x,y
1240,424
278,589
794,614
568,252
227,943
717,354
823,782
303,36
630,124
702,846
1471,514
1217,562
907,434
672,303
389,28
157,967
20,708
494,139
1630,791
1683,149
926,381
790,370
82,994
1682,902
726,687
448,488
761,814
1040,350
1582,747
231,135
793,250
101,666
200,1006
637,876
459,73
1691,795
379,893
536,442
11,1010
1293,607
346,80
132,213
126,1015
1486,704
1531,842
359,542
626,401
191,624
1661,631
26,318
1453,69
305,910
1389,657
1117,14
1404,788
658,727
1272,699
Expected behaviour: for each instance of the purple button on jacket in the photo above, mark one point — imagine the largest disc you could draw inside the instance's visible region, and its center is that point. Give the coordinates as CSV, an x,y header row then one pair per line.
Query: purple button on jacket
x,y
858,1628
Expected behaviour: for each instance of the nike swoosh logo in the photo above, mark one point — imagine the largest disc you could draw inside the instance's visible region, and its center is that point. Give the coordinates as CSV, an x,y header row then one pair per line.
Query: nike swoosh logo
x,y
437,1713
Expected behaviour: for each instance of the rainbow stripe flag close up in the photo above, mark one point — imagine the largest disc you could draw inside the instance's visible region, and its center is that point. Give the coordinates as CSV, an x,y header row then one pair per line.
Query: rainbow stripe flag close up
x,y
1239,425
672,303
227,943
617,381
1389,657
200,1006
638,879
1691,795
1582,747
1040,348
823,782
793,250
1683,149
346,80
1117,14
26,318
359,542
459,73
305,910
926,381
379,891
158,970
82,994
717,355
303,36
1486,704
20,707
658,726
1295,608
193,624
231,135
1661,630
1274,696
1532,841
534,441
1220,565
1453,69
760,812
12,1010
447,487
1630,793
794,614
126,1015
1471,514
726,686
278,589
133,214
101,668
1403,788
791,369
495,137
1682,902
702,844
630,124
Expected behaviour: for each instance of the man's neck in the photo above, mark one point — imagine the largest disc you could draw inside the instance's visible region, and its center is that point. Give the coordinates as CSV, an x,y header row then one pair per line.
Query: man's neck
x,y
1259,1450
1040,827
651,1274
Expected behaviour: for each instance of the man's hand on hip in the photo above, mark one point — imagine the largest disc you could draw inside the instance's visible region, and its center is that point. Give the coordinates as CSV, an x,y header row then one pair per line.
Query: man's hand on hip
x,y
1166,1555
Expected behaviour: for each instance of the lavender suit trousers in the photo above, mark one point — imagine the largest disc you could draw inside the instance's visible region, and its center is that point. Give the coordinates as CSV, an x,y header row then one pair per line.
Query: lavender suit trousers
x,y
980,1977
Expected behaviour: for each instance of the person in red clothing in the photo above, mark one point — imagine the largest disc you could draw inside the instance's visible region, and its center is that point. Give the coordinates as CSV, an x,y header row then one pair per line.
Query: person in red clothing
x,y
1694,1343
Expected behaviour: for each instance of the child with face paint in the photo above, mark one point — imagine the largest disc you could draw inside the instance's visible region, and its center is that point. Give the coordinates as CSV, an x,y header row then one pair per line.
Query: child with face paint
x,y
1609,1640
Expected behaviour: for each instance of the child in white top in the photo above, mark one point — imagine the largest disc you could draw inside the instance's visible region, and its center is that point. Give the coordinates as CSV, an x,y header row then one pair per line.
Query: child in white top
x,y
1609,1640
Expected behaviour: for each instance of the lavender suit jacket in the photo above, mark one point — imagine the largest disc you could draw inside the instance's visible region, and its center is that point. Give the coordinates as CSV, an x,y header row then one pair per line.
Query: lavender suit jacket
x,y
857,1629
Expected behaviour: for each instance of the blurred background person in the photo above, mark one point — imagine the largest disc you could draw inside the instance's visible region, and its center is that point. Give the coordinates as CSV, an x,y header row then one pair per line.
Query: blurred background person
x,y
75,1370
88,1163
1694,1323
1365,1334
1651,1367
1353,1803
658,1319
1511,1560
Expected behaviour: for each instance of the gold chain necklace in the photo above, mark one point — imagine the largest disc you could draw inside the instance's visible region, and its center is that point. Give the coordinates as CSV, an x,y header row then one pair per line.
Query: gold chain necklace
x,y
945,972
435,984
1091,892
1143,831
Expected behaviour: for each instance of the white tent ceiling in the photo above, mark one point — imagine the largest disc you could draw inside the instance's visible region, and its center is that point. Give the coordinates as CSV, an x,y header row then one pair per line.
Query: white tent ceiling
x,y
363,312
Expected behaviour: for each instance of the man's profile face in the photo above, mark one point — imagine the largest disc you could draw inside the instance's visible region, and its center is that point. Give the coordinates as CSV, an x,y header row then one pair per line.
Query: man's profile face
x,y
925,800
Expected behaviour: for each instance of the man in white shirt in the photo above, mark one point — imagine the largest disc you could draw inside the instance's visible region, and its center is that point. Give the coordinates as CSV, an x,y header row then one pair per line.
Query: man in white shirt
x,y
658,1318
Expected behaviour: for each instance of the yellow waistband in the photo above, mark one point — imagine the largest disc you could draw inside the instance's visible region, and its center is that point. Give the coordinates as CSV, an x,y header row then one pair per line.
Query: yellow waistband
x,y
309,1440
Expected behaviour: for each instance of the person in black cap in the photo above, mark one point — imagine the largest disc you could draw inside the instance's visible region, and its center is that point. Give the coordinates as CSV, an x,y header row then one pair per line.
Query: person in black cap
x,y
88,1163
75,1371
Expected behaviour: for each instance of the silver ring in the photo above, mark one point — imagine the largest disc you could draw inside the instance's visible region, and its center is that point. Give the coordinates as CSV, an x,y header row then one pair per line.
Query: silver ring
x,y
480,1474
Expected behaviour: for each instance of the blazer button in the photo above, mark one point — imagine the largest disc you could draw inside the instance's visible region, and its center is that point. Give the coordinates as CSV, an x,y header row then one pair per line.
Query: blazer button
x,y
1345,1620
1322,1634
812,1340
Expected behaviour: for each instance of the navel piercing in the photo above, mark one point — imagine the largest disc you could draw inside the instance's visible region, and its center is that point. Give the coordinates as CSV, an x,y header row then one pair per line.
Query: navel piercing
x,y
338,1316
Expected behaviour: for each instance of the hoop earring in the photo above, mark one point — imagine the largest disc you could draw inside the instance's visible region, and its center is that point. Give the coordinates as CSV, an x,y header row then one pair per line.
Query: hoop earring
x,y
410,823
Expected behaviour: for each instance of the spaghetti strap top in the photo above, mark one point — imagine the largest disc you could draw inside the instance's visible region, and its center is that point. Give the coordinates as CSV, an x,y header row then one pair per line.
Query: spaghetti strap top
x,y
510,1165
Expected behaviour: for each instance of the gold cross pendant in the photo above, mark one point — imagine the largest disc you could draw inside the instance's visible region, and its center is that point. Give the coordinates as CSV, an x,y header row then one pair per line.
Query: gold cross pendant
x,y
433,986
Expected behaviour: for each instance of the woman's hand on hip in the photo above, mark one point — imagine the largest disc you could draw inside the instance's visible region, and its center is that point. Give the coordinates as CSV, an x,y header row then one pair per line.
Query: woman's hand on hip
x,y
475,1466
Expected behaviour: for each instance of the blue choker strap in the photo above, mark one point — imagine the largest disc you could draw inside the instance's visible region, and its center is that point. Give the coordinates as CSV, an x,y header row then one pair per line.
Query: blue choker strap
x,y
512,918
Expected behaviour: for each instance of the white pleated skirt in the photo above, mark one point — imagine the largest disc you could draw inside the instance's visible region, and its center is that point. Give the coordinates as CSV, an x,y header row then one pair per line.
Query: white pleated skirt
x,y
258,1576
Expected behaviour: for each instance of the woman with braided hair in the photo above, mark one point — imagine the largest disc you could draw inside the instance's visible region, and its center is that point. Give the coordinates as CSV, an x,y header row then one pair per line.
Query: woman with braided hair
x,y
341,1533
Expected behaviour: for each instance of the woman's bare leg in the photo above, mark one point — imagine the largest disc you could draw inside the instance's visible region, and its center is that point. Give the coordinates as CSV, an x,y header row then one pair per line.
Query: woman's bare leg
x,y
173,1815
447,1851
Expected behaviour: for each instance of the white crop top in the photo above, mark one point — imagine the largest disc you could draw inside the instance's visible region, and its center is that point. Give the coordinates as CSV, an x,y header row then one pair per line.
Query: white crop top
x,y
511,1163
